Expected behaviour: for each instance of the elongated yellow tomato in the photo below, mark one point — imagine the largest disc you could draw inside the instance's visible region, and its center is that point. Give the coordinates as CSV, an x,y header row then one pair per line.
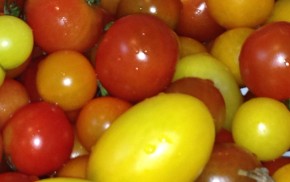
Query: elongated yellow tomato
x,y
168,137
62,179
204,65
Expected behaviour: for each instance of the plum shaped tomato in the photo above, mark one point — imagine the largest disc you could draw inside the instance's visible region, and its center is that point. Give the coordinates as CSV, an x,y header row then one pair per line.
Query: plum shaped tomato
x,y
265,61
38,139
66,24
137,56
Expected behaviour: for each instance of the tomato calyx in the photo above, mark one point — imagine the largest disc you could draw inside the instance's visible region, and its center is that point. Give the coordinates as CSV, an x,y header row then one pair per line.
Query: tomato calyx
x,y
258,174
93,2
11,9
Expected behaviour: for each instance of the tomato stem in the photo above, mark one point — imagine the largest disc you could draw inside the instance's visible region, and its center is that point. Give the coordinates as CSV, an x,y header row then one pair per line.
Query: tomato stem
x,y
93,2
11,9
258,174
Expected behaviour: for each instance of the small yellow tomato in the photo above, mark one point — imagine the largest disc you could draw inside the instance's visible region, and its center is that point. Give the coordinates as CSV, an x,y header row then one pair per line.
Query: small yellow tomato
x,y
204,65
282,174
262,125
240,13
189,46
63,179
281,11
168,137
227,48
74,168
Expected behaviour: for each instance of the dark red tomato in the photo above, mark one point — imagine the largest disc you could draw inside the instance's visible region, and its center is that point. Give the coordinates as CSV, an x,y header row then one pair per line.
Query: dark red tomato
x,y
65,24
224,136
168,11
265,61
38,139
136,58
196,22
225,162
17,177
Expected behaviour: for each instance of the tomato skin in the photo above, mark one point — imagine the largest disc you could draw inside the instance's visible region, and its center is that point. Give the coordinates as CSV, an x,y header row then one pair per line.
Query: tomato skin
x,y
264,61
66,24
137,64
17,176
38,139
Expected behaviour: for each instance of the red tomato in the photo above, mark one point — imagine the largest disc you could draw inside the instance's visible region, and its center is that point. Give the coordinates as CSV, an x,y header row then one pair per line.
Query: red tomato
x,y
265,61
137,62
38,139
196,22
17,176
275,164
66,24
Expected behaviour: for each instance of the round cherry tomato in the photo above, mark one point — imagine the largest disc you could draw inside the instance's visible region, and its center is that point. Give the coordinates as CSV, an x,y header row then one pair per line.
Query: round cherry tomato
x,y
38,139
17,176
153,7
66,78
262,126
134,63
265,61
66,24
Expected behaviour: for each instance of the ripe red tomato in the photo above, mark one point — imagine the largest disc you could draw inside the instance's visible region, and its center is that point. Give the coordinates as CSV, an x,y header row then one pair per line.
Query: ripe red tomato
x,y
17,176
66,24
38,139
265,61
137,62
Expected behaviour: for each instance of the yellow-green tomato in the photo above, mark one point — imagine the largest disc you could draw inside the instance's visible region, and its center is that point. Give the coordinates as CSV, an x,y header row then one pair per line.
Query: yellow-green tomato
x,y
168,137
204,65
16,41
63,179
262,125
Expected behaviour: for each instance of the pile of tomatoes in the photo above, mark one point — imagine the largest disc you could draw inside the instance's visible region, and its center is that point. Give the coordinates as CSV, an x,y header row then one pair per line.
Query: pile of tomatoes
x,y
144,91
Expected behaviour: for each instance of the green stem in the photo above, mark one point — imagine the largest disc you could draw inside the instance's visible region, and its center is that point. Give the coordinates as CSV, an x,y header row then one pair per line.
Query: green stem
x,y
11,9
93,2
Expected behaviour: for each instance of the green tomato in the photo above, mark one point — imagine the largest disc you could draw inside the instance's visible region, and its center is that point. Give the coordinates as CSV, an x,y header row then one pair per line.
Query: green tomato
x,y
168,137
16,42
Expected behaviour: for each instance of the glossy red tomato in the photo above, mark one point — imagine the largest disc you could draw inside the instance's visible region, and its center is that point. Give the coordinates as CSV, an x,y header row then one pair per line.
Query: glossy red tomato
x,y
66,24
38,139
137,62
17,176
196,22
265,61
154,7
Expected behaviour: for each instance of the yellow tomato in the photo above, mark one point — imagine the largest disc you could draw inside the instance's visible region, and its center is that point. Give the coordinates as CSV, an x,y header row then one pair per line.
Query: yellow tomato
x,y
282,174
74,168
227,48
240,13
168,137
63,179
190,46
205,66
281,11
262,125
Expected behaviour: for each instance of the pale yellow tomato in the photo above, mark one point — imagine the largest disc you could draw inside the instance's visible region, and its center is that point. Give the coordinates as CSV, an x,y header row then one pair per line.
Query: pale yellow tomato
x,y
63,179
227,48
168,137
282,174
240,13
205,66
262,125
189,46
281,11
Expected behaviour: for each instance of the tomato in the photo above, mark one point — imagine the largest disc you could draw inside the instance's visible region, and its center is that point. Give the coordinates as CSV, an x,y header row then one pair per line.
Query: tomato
x,y
62,179
38,139
280,11
153,7
196,22
66,78
240,13
264,61
262,126
110,5
282,174
137,65
225,162
154,140
190,46
16,41
66,24
203,65
17,176
96,117
274,165
227,47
